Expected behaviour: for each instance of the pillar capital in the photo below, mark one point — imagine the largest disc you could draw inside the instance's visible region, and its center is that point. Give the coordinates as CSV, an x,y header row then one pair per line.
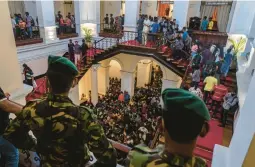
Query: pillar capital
x,y
95,67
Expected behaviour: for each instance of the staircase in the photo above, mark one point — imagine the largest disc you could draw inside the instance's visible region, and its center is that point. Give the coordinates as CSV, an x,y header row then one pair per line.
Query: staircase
x,y
107,48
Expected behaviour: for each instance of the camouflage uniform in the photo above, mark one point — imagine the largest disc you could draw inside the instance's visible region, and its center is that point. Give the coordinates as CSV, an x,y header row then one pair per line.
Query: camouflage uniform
x,y
142,156
73,132
65,132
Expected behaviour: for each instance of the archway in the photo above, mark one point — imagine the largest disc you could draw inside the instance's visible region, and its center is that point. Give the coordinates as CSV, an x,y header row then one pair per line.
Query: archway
x,y
114,69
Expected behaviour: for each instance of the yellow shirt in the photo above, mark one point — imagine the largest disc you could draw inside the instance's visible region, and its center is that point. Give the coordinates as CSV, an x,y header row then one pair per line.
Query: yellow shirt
x,y
210,82
210,25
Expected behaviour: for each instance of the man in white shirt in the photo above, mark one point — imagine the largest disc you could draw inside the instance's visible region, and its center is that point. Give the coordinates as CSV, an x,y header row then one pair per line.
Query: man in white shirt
x,y
146,29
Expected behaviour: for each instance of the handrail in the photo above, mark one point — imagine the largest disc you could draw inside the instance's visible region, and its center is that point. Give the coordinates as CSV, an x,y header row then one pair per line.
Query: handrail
x,y
115,144
100,40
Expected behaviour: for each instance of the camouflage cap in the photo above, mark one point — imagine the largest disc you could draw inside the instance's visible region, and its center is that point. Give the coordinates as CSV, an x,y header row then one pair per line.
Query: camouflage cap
x,y
184,100
61,65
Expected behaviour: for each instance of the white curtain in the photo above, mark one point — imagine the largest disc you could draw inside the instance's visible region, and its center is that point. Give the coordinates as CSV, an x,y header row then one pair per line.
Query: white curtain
x,y
223,12
17,7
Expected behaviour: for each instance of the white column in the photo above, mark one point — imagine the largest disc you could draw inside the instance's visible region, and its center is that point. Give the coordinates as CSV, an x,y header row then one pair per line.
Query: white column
x,y
237,24
89,12
180,12
9,67
77,17
103,79
131,14
143,74
127,82
168,84
74,95
46,19
94,84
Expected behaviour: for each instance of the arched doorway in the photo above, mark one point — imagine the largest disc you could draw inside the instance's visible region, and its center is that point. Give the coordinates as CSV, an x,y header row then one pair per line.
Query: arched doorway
x,y
114,69
114,76
148,72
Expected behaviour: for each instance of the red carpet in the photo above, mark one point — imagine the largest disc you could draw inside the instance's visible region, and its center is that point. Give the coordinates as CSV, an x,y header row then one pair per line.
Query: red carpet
x,y
215,136
149,44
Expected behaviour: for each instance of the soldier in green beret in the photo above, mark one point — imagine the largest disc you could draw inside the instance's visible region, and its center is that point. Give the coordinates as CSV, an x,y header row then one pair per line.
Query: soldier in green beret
x,y
185,118
65,132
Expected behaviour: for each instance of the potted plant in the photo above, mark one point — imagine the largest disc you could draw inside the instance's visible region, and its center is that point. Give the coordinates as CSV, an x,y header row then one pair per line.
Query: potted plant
x,y
238,47
88,36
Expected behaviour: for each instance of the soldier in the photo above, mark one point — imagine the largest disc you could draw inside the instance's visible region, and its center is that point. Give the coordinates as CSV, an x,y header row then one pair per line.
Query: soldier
x,y
185,118
65,132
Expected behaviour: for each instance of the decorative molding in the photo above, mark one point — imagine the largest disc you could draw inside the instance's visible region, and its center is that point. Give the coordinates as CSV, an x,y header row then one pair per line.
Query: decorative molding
x,y
127,71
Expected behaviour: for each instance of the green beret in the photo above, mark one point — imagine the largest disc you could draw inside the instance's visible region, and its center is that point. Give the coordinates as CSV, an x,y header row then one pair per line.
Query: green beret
x,y
62,65
182,99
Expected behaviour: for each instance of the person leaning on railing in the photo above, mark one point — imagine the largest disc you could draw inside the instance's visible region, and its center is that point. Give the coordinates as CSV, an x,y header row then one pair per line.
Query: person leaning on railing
x,y
185,118
65,132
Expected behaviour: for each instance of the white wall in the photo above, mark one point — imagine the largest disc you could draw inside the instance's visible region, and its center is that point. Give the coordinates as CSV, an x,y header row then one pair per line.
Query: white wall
x,y
85,84
149,8
194,9
9,68
143,72
242,18
30,6
111,7
180,12
114,70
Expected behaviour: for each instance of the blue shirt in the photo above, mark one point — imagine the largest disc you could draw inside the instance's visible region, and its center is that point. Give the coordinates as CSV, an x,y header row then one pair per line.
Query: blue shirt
x,y
184,35
204,25
155,28
126,97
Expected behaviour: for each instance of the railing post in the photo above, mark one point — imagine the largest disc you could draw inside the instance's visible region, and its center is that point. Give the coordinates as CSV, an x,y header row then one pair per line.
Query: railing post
x,y
95,48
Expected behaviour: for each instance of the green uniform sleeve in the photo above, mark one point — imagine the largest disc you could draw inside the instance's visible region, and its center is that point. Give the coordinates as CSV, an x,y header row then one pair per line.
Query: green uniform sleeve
x,y
98,143
17,131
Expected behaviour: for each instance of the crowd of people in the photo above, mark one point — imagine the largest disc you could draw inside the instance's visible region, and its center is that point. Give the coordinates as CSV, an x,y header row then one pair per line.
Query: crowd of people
x,y
65,132
65,25
114,25
23,26
130,121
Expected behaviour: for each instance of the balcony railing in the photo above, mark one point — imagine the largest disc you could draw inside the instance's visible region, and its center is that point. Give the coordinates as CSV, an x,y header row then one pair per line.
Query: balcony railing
x,y
22,36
